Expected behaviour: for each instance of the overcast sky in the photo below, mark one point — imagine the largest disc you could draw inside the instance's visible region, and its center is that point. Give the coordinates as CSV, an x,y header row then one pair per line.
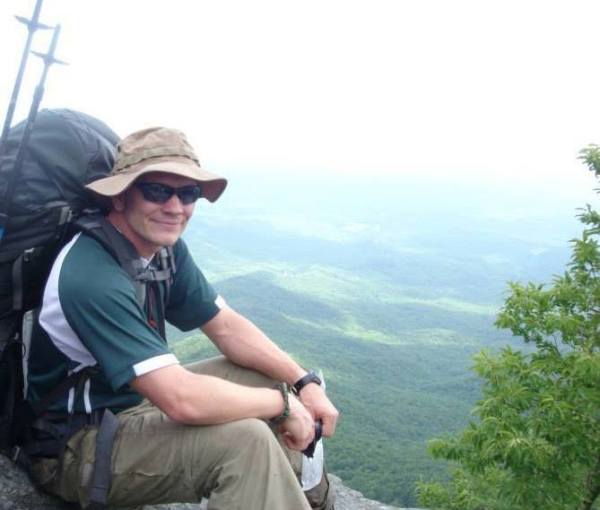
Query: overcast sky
x,y
502,89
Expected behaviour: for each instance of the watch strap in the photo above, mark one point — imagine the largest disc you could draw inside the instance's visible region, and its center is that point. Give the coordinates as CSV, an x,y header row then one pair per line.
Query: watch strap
x,y
311,377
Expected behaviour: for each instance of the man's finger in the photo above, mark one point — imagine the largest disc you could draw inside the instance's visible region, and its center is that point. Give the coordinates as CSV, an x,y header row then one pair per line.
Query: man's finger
x,y
329,423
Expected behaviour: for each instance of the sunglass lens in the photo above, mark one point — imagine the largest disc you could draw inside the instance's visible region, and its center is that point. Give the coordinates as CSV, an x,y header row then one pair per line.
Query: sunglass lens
x,y
161,193
189,194
155,192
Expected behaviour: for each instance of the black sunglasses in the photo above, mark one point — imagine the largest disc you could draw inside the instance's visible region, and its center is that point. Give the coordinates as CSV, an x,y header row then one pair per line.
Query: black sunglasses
x,y
158,193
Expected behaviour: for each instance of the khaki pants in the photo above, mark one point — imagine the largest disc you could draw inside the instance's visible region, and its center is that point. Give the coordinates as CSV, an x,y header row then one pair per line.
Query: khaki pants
x,y
237,465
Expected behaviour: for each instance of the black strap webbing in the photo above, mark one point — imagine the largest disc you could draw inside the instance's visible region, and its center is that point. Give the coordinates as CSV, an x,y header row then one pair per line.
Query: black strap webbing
x,y
71,381
17,283
102,465
12,392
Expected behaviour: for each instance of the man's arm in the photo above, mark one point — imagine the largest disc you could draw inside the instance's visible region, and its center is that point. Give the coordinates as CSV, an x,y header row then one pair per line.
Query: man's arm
x,y
246,345
197,399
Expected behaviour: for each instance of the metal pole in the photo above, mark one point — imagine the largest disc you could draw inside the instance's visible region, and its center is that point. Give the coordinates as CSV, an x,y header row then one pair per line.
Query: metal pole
x,y
32,25
48,59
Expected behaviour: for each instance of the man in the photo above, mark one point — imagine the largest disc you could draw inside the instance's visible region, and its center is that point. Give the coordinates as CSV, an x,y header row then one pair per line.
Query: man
x,y
201,430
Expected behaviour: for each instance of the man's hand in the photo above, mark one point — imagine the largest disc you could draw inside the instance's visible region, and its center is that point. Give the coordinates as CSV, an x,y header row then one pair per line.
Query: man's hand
x,y
320,407
298,429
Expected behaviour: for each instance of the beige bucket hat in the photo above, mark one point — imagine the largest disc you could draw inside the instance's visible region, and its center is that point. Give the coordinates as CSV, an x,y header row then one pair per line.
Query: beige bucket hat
x,y
157,149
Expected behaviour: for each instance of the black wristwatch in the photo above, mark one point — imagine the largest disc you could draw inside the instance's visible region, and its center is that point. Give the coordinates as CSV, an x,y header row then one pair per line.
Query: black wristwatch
x,y
311,377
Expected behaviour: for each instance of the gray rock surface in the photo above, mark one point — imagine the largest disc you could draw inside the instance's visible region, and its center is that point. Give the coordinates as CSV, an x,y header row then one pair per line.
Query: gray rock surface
x,y
17,493
349,499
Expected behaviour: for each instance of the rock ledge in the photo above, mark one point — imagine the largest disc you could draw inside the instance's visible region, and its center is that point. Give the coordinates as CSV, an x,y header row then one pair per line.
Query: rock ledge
x,y
17,493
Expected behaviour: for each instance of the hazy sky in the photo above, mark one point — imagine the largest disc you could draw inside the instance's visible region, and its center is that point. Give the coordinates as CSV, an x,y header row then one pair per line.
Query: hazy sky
x,y
502,89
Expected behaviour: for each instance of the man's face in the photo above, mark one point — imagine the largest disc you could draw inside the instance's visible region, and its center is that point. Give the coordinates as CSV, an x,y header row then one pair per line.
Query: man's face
x,y
149,225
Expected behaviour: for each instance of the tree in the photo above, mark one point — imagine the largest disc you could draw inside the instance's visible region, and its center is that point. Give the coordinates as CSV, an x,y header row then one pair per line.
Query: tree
x,y
535,439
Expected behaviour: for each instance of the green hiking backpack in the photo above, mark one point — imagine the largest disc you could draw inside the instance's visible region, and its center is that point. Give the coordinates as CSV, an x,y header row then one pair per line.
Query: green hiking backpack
x,y
66,150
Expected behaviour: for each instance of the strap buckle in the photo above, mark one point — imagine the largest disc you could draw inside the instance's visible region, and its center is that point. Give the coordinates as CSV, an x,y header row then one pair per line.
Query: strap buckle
x,y
15,453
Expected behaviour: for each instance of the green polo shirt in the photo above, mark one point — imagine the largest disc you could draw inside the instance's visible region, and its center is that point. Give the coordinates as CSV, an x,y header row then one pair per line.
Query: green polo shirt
x,y
90,316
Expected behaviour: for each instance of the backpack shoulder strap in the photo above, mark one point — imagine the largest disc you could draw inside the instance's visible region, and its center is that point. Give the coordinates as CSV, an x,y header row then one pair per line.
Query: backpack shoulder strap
x,y
100,229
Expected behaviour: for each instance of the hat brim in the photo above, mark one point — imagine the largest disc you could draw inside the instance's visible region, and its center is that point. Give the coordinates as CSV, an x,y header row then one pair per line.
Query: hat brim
x,y
212,185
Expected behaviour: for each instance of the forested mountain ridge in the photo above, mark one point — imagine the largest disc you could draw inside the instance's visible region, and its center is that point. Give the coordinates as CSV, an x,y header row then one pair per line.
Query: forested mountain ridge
x,y
391,303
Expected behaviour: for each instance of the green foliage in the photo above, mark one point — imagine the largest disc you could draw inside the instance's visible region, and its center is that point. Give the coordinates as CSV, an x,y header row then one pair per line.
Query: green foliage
x,y
465,491
591,157
535,442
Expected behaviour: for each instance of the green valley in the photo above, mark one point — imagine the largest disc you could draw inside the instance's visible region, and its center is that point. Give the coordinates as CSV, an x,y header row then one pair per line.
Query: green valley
x,y
390,303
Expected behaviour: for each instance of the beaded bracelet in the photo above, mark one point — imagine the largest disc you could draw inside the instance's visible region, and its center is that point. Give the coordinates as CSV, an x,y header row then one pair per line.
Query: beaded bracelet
x,y
284,390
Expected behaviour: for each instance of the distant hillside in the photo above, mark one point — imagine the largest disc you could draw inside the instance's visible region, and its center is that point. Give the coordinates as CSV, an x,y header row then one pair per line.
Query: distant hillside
x,y
391,302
